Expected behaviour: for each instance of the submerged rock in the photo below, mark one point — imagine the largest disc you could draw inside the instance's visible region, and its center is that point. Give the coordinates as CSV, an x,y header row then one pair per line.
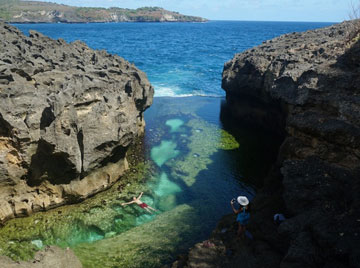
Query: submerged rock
x,y
305,87
67,115
49,257
146,245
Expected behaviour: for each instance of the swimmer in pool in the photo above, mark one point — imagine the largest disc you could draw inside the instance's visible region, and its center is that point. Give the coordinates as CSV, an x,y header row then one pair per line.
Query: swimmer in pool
x,y
140,204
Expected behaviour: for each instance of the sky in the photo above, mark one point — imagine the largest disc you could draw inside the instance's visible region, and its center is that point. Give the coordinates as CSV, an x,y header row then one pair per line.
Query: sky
x,y
260,10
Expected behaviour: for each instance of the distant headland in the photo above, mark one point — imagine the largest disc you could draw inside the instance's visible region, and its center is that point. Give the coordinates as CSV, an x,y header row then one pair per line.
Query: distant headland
x,y
18,11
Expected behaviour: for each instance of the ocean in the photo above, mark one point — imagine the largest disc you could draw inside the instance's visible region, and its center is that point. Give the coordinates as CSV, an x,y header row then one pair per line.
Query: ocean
x,y
180,59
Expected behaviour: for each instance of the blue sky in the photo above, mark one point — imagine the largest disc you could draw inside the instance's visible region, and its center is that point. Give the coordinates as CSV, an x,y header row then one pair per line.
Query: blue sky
x,y
266,10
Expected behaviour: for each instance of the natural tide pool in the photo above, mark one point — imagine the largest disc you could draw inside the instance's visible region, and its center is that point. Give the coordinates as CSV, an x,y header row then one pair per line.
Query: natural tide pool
x,y
189,168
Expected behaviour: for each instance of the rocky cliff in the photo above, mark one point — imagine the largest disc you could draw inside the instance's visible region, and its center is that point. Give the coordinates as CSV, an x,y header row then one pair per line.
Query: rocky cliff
x,y
18,11
305,87
67,115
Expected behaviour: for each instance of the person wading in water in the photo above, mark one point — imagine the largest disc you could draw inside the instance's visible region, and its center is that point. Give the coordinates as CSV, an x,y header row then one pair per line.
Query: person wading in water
x,y
140,203
243,214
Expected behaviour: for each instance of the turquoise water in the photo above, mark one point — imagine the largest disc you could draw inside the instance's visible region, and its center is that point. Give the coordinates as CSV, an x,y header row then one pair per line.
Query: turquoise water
x,y
180,59
164,152
198,165
186,156
196,175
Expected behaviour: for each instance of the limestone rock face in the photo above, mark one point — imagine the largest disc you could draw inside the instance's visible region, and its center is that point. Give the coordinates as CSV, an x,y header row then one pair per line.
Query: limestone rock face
x,y
306,87
67,115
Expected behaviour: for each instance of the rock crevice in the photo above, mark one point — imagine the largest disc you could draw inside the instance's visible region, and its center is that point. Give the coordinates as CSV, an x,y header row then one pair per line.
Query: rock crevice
x,y
67,115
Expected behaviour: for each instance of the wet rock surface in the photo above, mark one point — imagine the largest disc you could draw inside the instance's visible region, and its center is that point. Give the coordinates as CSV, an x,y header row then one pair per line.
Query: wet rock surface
x,y
305,88
51,256
67,116
225,249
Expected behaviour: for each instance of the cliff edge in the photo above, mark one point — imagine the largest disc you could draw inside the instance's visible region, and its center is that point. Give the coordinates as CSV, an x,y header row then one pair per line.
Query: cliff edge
x,y
305,87
67,115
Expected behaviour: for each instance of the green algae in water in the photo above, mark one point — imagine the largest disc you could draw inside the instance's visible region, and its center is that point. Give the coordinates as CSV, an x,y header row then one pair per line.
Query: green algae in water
x,y
188,188
69,225
174,124
149,245
83,233
164,152
205,140
227,141
144,218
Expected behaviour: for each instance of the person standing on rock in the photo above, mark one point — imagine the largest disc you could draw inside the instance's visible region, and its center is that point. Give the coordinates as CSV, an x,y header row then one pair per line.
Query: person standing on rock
x,y
140,204
243,214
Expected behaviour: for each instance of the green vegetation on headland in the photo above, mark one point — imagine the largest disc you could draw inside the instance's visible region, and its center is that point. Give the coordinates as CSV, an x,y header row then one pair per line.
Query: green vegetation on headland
x,y
17,11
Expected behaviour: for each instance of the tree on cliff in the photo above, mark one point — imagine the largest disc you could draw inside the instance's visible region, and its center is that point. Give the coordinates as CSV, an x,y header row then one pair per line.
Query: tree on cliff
x,y
354,12
354,15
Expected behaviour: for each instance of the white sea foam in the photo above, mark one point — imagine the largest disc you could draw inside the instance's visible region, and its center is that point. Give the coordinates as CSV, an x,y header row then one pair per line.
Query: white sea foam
x,y
163,91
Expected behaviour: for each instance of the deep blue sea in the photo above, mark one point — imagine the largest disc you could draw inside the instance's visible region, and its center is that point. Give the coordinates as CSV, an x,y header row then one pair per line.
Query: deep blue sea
x,y
180,59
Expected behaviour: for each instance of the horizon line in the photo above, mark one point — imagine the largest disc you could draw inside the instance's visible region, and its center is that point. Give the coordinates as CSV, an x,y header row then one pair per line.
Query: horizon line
x,y
276,21
170,22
